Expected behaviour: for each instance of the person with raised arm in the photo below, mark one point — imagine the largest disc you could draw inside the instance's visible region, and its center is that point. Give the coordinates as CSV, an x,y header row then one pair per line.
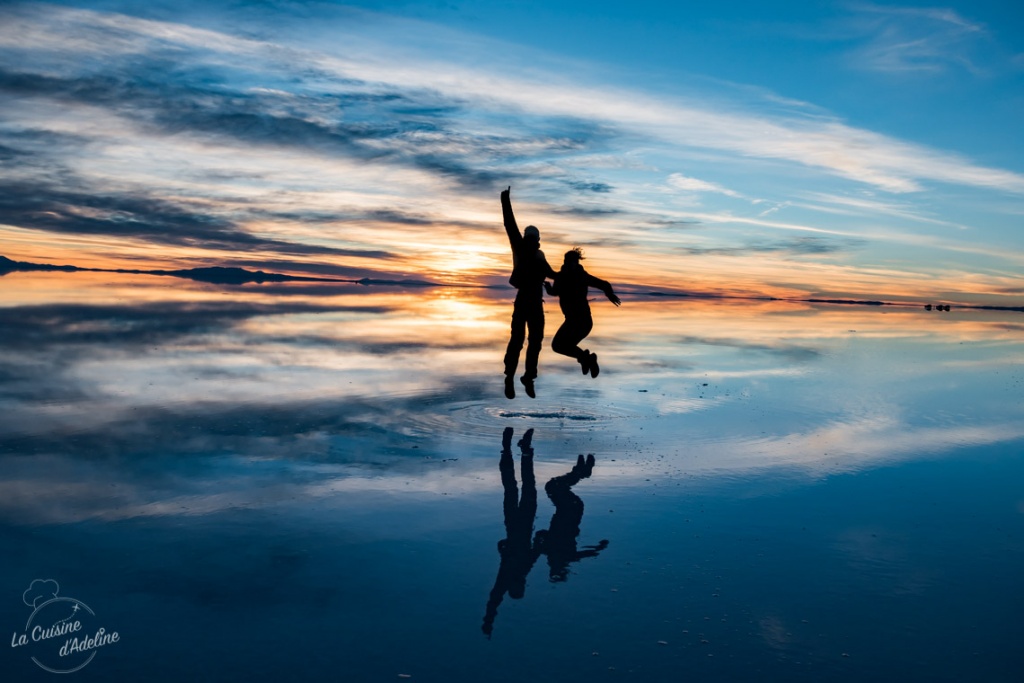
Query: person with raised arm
x,y
529,269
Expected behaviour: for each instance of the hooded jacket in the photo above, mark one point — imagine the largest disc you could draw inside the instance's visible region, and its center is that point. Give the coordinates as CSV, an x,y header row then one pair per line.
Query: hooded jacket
x,y
529,265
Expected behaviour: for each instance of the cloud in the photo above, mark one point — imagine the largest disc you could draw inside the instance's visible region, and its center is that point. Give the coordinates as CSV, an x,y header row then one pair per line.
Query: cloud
x,y
216,425
681,182
10,153
411,100
46,346
796,353
871,207
379,124
93,326
918,40
315,269
589,187
44,206
339,135
797,246
585,211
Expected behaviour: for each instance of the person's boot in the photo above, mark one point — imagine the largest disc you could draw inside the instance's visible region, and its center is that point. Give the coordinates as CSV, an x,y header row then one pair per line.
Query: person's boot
x,y
526,443
510,387
528,383
594,367
585,362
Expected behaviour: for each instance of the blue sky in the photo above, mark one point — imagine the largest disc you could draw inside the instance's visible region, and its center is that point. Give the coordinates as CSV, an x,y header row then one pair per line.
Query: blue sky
x,y
840,149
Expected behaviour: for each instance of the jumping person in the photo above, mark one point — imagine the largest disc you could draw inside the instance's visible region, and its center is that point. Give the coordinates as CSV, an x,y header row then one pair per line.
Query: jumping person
x,y
571,285
529,268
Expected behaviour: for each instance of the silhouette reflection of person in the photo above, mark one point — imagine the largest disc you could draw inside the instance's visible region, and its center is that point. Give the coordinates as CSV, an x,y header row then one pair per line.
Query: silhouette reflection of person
x,y
529,269
518,551
558,542
571,285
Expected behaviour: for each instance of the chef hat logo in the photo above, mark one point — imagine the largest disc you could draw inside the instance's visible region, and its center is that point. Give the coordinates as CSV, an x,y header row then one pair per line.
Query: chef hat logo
x,y
40,591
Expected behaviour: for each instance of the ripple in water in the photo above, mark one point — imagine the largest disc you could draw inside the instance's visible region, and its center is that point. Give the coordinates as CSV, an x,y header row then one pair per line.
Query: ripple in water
x,y
549,416
484,421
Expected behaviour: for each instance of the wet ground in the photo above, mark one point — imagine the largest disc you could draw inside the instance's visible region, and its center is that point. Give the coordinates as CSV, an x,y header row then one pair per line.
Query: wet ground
x,y
306,482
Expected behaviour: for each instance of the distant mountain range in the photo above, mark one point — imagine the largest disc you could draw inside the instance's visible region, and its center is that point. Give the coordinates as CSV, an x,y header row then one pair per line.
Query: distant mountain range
x,y
218,275
839,302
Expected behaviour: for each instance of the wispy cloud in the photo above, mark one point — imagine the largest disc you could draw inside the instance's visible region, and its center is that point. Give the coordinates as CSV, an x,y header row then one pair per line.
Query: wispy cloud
x,y
918,40
687,184
139,216
430,89
798,246
310,140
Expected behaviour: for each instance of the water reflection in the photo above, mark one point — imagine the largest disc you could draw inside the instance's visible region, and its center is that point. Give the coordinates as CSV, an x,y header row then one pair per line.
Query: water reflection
x,y
558,542
203,446
521,548
94,367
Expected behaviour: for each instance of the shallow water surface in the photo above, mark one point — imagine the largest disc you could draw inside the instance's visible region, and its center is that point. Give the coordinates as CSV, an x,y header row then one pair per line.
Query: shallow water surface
x,y
325,482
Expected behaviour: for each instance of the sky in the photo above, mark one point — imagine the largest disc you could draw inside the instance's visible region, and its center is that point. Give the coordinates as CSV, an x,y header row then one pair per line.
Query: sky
x,y
836,149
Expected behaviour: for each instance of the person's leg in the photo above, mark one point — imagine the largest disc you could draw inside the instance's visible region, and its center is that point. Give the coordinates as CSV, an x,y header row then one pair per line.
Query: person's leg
x,y
535,325
528,502
510,502
564,340
515,345
589,360
570,334
515,341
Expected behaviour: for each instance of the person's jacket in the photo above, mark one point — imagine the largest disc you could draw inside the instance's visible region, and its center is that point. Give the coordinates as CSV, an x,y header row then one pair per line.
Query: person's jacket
x,y
571,285
529,265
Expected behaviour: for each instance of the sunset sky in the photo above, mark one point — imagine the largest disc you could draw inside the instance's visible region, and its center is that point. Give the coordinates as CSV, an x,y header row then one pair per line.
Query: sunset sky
x,y
845,150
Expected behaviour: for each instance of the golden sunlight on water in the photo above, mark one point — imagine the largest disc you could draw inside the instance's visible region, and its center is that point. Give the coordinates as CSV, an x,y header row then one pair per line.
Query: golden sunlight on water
x,y
370,381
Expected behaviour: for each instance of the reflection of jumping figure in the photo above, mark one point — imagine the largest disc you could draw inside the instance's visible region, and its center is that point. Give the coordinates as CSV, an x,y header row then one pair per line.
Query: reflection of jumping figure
x,y
571,285
529,268
558,542
518,552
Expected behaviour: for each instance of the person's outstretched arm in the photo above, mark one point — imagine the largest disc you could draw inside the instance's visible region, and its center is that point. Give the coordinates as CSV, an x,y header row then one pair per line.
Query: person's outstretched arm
x,y
511,227
604,286
549,272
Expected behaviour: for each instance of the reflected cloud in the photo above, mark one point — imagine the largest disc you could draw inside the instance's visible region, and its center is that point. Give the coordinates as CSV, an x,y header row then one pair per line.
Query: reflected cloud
x,y
130,397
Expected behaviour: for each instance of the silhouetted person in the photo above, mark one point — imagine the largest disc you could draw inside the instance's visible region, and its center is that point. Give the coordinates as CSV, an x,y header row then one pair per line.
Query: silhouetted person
x,y
558,541
519,549
571,285
517,552
529,268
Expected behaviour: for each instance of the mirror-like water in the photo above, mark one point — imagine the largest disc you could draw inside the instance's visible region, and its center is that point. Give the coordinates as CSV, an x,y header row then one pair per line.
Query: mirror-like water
x,y
307,482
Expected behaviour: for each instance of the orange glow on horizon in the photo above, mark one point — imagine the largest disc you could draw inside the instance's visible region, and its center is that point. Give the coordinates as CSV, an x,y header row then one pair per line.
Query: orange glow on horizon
x,y
479,259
